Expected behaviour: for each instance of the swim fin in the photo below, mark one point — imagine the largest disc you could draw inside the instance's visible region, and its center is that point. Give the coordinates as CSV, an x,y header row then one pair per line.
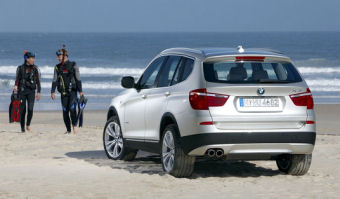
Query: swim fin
x,y
14,108
81,119
81,106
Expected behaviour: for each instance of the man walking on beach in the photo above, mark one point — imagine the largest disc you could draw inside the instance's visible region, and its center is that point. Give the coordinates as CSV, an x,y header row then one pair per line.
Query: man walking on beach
x,y
67,80
26,82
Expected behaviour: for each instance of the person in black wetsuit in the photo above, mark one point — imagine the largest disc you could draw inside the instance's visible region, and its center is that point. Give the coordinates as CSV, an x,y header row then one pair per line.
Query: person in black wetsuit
x,y
67,81
27,81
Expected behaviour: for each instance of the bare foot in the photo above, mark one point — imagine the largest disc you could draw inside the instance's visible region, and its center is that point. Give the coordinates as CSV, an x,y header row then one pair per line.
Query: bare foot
x,y
67,132
75,130
28,128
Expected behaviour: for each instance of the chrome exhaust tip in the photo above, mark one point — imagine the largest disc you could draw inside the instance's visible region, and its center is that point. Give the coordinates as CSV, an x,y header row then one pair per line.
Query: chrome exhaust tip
x,y
219,153
211,153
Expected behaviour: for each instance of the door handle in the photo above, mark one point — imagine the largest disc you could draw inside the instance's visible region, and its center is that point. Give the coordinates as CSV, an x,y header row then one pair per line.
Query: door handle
x,y
167,93
143,96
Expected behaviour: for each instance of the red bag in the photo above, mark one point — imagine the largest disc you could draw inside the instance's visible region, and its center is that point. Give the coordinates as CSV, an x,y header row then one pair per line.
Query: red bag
x,y
14,108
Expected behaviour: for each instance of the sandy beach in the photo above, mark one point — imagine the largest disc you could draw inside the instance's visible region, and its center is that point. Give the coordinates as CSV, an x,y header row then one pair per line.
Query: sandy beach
x,y
45,163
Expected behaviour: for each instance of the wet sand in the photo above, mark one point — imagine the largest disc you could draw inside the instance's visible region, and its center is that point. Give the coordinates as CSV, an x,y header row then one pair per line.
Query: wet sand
x,y
45,163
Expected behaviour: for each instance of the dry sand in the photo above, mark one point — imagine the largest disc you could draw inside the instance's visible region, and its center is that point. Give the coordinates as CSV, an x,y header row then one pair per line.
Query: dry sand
x,y
45,163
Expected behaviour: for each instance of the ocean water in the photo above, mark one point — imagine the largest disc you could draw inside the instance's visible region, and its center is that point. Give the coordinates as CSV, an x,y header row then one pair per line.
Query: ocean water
x,y
105,57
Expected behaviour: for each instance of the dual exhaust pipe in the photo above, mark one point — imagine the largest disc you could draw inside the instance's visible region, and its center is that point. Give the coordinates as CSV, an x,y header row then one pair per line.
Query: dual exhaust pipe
x,y
212,153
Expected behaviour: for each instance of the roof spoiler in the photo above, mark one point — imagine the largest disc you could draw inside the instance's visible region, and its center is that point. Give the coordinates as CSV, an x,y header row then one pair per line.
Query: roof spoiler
x,y
266,49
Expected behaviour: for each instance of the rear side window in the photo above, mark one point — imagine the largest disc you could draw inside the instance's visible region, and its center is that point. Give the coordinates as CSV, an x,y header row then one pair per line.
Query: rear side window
x,y
183,71
251,72
168,71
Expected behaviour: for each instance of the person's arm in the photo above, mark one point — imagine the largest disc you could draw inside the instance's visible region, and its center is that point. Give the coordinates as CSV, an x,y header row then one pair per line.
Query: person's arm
x,y
17,79
37,79
77,78
54,83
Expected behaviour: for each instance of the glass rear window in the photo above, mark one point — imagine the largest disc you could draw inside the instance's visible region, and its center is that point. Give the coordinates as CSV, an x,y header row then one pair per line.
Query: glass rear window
x,y
250,72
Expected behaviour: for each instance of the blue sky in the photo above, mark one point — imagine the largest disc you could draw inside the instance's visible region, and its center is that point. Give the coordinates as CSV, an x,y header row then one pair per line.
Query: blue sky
x,y
168,15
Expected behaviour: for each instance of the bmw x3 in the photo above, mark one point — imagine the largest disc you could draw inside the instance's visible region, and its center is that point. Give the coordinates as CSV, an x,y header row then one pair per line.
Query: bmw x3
x,y
219,103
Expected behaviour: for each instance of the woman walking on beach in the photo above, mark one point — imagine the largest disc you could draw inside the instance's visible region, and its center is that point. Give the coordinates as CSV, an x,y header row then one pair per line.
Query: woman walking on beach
x,y
27,81
67,81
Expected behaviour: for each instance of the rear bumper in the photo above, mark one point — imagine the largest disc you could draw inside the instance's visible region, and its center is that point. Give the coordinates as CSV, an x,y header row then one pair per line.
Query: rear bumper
x,y
257,142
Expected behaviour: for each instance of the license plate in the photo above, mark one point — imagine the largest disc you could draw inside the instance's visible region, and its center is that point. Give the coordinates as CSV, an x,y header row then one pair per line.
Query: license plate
x,y
259,102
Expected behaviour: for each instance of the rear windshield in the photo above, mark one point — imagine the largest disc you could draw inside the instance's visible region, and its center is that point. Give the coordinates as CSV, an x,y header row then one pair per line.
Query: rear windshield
x,y
250,72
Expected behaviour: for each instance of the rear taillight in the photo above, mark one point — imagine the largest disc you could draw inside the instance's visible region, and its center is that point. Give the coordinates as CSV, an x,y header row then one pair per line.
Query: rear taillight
x,y
303,99
200,99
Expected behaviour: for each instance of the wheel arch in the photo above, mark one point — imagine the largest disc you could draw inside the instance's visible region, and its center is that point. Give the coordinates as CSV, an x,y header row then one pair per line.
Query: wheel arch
x,y
112,112
167,118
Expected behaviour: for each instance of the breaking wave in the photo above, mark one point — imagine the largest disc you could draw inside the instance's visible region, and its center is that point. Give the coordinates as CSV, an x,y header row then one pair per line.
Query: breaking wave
x,y
49,70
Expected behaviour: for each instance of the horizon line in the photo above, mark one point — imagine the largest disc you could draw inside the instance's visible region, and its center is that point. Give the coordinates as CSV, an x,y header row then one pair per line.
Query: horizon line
x,y
271,31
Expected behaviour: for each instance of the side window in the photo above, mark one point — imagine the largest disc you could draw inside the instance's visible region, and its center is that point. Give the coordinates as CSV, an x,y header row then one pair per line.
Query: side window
x,y
168,71
189,64
149,76
183,71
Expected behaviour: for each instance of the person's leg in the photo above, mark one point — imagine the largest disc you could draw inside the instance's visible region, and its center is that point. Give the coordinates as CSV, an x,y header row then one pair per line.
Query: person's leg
x,y
30,105
65,106
23,112
73,110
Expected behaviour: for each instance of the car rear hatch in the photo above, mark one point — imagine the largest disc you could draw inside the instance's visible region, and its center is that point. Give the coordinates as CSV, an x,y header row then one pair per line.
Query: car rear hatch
x,y
259,93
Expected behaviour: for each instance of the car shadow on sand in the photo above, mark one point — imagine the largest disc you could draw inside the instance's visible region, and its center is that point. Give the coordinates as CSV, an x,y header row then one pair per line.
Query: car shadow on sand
x,y
148,163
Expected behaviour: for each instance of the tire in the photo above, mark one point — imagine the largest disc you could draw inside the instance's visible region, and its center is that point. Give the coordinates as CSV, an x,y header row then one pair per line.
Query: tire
x,y
294,164
113,142
174,161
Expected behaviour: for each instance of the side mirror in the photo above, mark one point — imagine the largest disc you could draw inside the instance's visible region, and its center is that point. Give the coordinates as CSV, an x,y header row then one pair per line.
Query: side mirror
x,y
128,82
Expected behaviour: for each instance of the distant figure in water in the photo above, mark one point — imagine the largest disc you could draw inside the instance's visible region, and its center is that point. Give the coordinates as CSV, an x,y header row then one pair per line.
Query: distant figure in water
x,y
67,81
26,82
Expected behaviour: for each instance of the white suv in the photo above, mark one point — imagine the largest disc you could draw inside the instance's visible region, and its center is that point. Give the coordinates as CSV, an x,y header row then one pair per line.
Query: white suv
x,y
249,104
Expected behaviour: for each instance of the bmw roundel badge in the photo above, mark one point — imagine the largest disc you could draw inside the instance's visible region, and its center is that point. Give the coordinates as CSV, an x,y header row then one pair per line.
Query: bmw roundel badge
x,y
260,91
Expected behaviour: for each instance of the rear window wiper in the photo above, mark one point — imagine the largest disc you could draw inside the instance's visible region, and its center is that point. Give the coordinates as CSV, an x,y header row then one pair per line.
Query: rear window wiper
x,y
273,81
